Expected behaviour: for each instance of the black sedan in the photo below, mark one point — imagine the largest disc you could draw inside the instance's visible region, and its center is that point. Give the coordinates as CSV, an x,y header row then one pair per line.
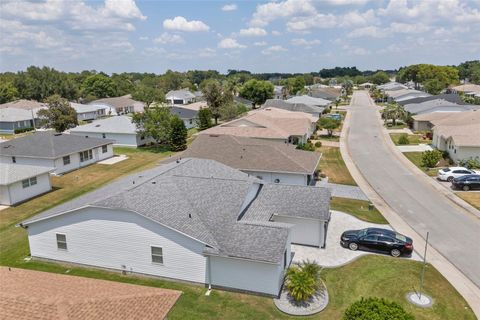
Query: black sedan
x,y
376,239
466,183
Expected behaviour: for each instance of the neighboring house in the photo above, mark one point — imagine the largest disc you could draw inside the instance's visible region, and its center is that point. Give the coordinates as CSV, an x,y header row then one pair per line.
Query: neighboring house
x,y
437,105
268,160
12,119
120,105
467,89
120,129
63,152
308,100
327,93
180,97
196,106
458,134
193,220
423,122
88,112
450,97
269,123
29,294
393,95
279,92
19,182
392,86
366,85
294,107
247,103
188,116
411,95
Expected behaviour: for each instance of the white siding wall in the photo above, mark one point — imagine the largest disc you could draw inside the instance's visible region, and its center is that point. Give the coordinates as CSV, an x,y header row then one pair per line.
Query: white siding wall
x,y
4,195
285,178
304,231
30,161
121,139
18,193
463,153
75,163
112,238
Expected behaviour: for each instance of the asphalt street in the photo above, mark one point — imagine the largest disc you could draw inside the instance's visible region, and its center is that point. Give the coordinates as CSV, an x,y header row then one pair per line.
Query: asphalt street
x,y
454,232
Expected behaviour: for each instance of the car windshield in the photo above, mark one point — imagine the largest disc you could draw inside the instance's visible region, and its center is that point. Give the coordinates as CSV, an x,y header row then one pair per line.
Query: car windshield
x,y
362,232
401,237
446,170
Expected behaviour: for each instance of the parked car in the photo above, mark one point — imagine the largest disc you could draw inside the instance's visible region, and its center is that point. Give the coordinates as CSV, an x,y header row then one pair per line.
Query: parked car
x,y
335,116
448,174
377,239
466,183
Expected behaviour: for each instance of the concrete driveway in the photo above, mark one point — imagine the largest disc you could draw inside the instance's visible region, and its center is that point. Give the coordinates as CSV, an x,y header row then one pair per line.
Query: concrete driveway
x,y
334,255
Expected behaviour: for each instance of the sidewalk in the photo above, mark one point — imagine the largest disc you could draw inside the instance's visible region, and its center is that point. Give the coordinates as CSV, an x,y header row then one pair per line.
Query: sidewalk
x,y
462,284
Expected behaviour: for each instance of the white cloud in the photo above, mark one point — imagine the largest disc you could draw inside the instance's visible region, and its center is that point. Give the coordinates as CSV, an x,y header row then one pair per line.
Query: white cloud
x,y
253,32
273,49
276,33
268,12
408,28
229,43
166,37
320,20
229,7
358,19
260,43
46,11
345,2
305,43
207,53
181,24
143,38
126,9
372,31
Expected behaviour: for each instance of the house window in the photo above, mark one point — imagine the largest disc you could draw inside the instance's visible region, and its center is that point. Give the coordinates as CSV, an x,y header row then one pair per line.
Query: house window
x,y
104,135
14,160
104,149
29,182
86,155
142,137
157,255
66,160
277,181
61,241
191,121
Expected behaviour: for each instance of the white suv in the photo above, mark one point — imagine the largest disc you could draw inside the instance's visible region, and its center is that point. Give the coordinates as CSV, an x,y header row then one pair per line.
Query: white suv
x,y
448,174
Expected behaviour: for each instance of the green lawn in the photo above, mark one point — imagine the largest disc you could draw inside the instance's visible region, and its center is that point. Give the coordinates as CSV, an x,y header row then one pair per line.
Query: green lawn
x,y
416,159
357,208
413,138
328,138
397,126
332,164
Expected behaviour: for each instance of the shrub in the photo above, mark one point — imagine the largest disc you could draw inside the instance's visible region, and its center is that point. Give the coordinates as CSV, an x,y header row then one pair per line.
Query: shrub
x,y
445,155
303,280
471,163
318,144
376,309
22,130
431,158
306,146
329,124
403,139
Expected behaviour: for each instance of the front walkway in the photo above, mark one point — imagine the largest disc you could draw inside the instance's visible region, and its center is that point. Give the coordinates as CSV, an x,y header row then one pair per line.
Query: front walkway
x,y
415,148
343,190
334,255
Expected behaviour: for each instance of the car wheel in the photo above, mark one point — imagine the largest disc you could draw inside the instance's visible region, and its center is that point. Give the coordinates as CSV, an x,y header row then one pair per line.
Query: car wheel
x,y
395,253
466,188
450,179
353,246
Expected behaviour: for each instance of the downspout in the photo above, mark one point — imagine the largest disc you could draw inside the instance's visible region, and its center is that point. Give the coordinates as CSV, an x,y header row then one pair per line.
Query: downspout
x,y
209,273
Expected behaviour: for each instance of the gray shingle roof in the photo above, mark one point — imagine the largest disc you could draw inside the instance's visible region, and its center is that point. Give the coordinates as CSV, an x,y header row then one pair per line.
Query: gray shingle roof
x,y
50,145
120,102
451,97
115,124
10,173
291,106
14,114
183,113
253,154
309,100
437,104
179,94
202,199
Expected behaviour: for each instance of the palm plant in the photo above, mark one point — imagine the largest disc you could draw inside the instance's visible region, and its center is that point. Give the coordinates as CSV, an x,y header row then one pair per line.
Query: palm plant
x,y
395,112
300,284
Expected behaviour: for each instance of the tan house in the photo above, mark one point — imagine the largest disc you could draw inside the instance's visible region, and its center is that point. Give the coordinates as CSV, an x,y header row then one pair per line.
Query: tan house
x,y
459,134
269,123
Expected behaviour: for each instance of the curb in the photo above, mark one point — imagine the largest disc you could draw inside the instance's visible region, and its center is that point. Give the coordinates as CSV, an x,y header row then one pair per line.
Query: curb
x,y
467,289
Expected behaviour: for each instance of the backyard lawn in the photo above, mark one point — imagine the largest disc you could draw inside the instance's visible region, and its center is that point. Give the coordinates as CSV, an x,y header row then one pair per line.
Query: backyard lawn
x,y
413,138
416,159
471,197
357,208
332,164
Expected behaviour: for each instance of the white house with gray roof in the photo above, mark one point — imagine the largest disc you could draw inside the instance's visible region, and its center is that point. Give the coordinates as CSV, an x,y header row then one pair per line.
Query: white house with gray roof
x,y
180,97
193,220
62,152
88,112
121,129
21,182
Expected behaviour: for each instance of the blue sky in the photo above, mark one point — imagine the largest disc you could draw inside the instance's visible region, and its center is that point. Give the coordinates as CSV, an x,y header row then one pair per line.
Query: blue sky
x,y
260,36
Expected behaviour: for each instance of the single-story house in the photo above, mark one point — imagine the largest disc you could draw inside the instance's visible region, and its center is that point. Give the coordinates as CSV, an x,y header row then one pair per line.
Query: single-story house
x,y
269,123
20,182
268,160
183,96
437,105
308,100
466,88
393,95
391,86
29,294
423,122
324,92
196,106
294,107
247,103
88,112
120,105
459,134
188,116
20,114
366,85
120,129
194,220
62,152
450,97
